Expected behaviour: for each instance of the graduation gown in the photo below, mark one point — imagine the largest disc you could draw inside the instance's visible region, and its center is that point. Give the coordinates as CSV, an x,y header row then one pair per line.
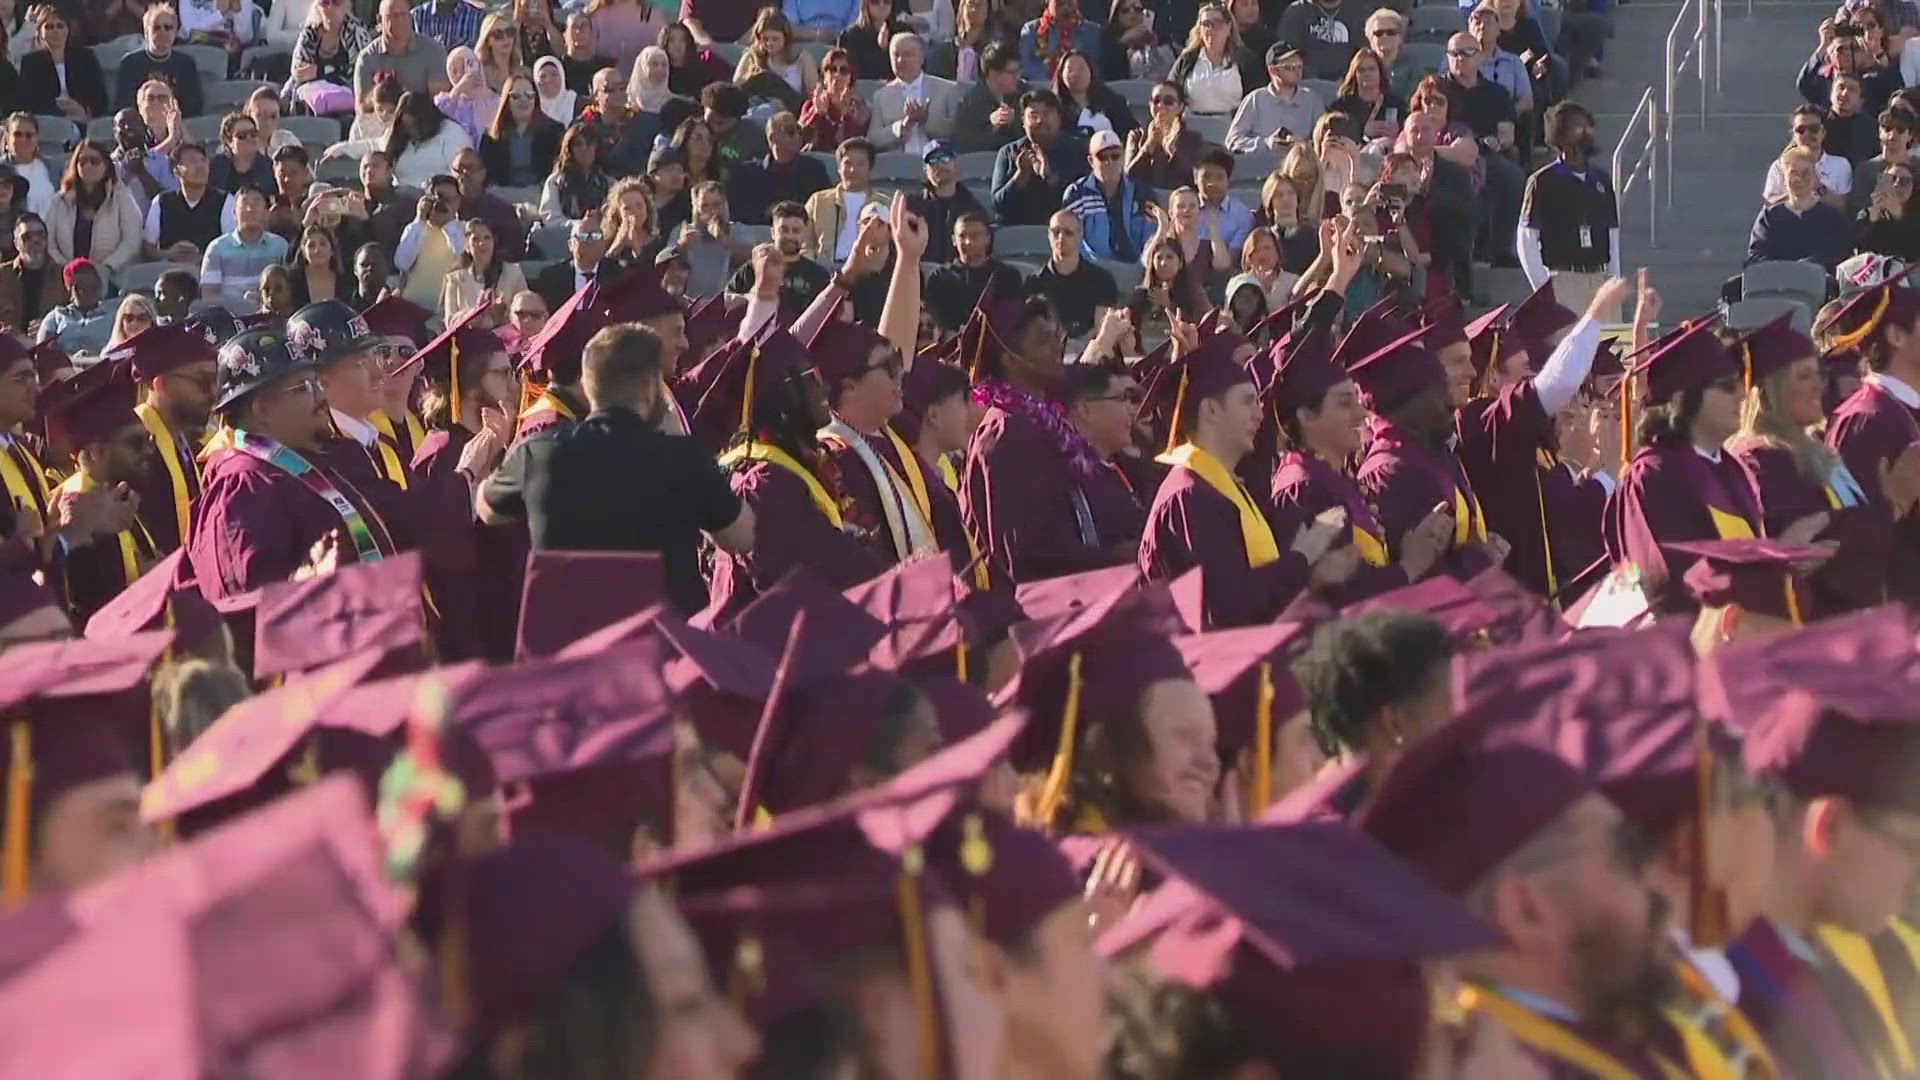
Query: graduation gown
x,y
97,572
1669,494
372,469
1869,429
1815,1019
554,406
1028,511
906,486
1302,488
26,483
1404,479
1510,451
256,524
1193,523
1563,1046
789,530
406,434
1856,576
474,571
171,484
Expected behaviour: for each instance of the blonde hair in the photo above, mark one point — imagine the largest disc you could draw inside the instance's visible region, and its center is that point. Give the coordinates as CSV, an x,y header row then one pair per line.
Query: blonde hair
x,y
1196,36
1798,153
1303,168
1763,422
1384,17
515,62
131,300
613,214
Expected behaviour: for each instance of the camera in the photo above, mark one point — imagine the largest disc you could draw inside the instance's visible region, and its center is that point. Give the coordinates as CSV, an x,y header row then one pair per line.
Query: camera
x,y
1845,30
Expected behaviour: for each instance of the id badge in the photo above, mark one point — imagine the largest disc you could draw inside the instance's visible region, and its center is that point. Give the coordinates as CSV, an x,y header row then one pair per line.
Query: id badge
x,y
1586,236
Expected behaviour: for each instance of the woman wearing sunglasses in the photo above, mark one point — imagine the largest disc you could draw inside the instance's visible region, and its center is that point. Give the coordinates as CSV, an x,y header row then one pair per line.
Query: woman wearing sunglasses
x,y
521,139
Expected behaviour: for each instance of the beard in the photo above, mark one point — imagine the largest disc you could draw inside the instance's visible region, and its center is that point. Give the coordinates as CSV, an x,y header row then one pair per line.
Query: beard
x,y
1624,993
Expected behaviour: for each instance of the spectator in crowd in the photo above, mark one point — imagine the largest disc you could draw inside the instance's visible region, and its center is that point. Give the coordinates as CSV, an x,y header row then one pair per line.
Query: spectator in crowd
x,y
423,141
324,57
802,278
1889,224
1498,65
140,152
241,159
629,135
273,292
1488,110
708,243
1808,128
623,27
699,151
784,174
284,22
181,223
557,101
586,243
578,183
521,140
1328,33
13,203
1449,194
173,295
736,138
913,108
631,222
498,49
959,56
1031,173
1165,288
483,270
94,217
1260,262
1800,227
478,201
1841,52
234,259
648,88
835,212
833,113
371,125
1256,35
30,284
1219,210
539,33
1215,70
1896,144
1246,303
431,247
1110,207
1375,110
264,106
818,20
22,155
1455,139
988,115
454,24
61,78
82,325
385,206
1043,41
1088,105
317,270
470,103
1280,213
1521,35
772,65
1569,215
1079,288
1850,131
868,40
953,289
1280,111
690,66
160,25
1386,34
941,201
1207,260
417,62
1162,154
526,314
373,272
581,57
1129,46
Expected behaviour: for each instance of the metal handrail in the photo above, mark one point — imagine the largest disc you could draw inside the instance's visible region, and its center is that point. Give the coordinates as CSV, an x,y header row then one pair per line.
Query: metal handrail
x,y
1645,165
1678,62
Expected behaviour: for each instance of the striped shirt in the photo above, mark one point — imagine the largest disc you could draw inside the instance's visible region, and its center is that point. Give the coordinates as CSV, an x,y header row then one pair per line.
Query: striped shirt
x,y
458,25
232,264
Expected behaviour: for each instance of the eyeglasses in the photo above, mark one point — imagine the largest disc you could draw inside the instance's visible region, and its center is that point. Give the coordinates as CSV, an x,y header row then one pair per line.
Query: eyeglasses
x,y
308,385
588,234
1387,31
520,95
1806,129
1463,54
839,69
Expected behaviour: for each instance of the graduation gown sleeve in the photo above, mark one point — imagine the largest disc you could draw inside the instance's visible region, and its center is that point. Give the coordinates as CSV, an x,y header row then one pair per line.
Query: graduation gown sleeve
x,y
1501,445
788,531
474,571
1191,525
1857,575
256,525
1301,492
1660,500
1017,496
1869,430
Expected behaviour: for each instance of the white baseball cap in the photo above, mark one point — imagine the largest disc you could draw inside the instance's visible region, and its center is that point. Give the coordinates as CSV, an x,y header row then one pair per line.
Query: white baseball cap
x,y
1103,139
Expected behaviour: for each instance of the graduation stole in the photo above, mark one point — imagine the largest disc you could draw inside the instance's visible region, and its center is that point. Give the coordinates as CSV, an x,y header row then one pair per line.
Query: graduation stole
x,y
1718,1040
366,546
547,402
1469,520
1255,534
26,486
167,445
1854,955
386,459
1366,532
949,475
1732,519
1545,1035
773,455
909,536
673,408
136,544
416,434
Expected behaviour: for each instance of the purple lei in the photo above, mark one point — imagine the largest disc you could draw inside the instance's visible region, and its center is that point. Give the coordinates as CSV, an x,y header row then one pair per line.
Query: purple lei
x,y
1049,417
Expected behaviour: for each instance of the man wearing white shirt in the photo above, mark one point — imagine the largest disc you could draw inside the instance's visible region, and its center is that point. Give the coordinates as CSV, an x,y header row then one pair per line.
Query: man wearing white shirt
x,y
913,108
22,152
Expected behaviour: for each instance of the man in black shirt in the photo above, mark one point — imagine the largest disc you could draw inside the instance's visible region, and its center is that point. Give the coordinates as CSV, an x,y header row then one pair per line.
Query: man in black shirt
x,y
1569,214
1078,288
954,289
783,175
158,59
942,201
614,481
1852,133
804,278
1487,108
1030,173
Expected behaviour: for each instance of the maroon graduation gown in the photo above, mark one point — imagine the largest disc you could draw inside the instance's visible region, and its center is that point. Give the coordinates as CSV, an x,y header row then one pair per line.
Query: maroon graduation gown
x,y
1509,449
17,554
1814,1021
474,571
537,420
1857,575
255,524
158,496
1018,494
1190,524
1869,429
1302,488
397,506
788,531
870,516
1662,499
1404,479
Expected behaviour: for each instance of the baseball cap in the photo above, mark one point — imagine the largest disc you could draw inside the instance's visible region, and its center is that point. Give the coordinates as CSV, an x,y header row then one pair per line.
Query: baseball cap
x,y
936,151
1103,140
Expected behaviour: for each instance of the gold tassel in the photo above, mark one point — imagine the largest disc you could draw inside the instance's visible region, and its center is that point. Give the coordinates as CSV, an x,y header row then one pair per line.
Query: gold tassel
x,y
1262,787
919,969
1061,773
976,858
1173,419
746,393
1855,337
1626,421
1793,601
960,661
13,861
453,375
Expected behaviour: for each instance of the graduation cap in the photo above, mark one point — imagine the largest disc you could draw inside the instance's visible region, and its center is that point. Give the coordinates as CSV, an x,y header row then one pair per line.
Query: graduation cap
x,y
843,348
721,680
843,636
560,341
1864,317
1483,333
1688,357
1444,599
569,594
1385,358
440,358
1057,596
1540,316
215,325
635,296
1519,613
306,624
174,950
155,601
1765,577
396,316
920,603
1310,936
711,321
1245,673
744,387
21,596
1771,348
92,407
919,385
1207,371
962,709
1303,371
988,335
164,348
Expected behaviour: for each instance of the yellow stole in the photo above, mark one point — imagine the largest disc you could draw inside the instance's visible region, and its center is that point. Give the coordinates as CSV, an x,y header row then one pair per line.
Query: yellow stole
x,y
24,491
949,475
416,434
1255,534
1373,550
1855,956
1730,526
1548,1036
168,448
131,545
1709,1059
916,479
773,455
546,402
1469,521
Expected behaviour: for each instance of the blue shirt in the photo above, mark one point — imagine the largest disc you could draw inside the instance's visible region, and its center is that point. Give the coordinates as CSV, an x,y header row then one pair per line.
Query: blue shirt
x,y
460,25
233,264
1508,72
832,16
1235,218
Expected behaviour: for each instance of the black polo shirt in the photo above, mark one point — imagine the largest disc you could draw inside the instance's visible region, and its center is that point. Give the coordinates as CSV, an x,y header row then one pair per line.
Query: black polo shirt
x,y
1575,215
614,482
1482,106
1077,296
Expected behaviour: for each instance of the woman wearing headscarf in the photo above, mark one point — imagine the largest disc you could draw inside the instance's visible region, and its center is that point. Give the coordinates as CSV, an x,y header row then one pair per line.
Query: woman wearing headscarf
x,y
550,79
647,89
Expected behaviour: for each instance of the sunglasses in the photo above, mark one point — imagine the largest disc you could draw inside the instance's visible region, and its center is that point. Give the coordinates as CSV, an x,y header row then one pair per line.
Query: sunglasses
x,y
1463,54
839,69
520,95
940,159
1107,155
588,234
1386,31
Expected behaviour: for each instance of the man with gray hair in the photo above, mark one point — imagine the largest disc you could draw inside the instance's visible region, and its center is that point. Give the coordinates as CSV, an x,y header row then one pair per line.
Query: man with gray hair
x,y
913,108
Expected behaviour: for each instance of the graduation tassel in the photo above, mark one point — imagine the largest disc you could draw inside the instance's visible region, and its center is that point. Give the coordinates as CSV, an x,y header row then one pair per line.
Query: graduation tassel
x,y
453,376
1793,602
1173,419
960,661
1262,788
1054,791
976,858
919,969
13,857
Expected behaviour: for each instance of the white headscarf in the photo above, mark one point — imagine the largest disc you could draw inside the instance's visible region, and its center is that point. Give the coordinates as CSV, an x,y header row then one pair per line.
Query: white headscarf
x,y
560,105
647,95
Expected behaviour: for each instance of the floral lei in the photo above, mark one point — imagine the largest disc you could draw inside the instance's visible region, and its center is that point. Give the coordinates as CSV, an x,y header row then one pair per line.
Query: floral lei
x,y
1049,417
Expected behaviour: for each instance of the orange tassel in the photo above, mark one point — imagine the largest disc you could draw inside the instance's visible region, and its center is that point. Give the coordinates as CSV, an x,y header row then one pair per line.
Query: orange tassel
x,y
18,838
